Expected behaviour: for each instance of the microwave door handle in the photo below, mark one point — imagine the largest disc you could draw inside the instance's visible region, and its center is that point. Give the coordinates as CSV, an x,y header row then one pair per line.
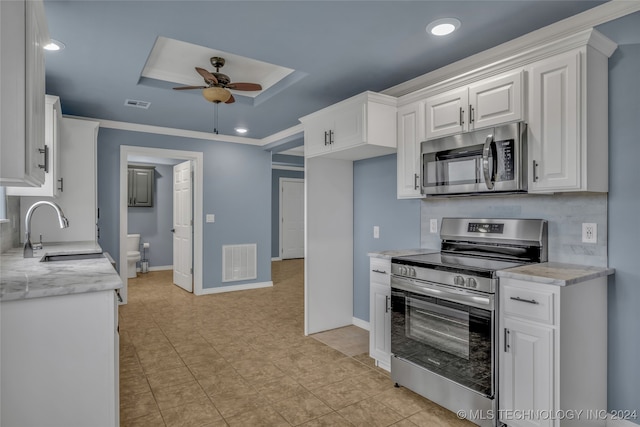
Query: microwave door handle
x,y
489,146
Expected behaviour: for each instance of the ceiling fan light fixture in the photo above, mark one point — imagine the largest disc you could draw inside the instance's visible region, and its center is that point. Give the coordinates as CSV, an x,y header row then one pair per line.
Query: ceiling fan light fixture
x,y
216,94
443,27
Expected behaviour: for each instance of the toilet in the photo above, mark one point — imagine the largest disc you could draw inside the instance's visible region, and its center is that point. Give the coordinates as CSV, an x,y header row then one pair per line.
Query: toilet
x,y
133,254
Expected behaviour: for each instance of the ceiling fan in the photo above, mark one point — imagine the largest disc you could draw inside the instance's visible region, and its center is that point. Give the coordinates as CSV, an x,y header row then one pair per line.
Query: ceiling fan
x,y
216,90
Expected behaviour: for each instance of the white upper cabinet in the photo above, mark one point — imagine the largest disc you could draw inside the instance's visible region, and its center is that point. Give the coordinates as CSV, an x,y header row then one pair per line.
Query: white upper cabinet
x,y
568,121
53,179
358,128
23,33
488,102
446,113
410,134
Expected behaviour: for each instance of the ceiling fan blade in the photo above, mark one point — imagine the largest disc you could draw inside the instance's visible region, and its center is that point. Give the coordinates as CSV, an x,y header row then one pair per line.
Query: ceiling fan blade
x,y
189,87
231,100
244,86
207,75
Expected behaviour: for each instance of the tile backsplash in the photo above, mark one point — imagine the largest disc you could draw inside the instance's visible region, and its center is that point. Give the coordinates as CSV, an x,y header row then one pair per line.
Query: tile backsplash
x,y
10,229
565,213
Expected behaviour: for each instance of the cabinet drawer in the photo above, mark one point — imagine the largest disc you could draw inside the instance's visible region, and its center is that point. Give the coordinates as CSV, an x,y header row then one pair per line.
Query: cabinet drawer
x,y
530,304
380,271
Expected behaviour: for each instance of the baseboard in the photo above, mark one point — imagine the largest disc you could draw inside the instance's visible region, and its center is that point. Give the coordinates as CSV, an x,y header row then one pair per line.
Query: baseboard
x,y
232,288
157,268
621,423
276,259
360,323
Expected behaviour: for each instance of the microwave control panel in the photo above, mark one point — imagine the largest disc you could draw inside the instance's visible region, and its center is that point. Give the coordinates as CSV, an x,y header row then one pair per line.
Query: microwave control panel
x,y
505,152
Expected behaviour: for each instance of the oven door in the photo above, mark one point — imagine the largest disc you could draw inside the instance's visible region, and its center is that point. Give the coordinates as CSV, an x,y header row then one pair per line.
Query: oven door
x,y
445,330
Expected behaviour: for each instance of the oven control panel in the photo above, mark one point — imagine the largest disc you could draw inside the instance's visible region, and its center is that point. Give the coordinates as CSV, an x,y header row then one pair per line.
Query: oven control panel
x,y
433,275
485,227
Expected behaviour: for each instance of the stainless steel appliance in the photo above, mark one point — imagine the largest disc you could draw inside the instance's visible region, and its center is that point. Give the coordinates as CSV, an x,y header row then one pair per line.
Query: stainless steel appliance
x,y
443,310
492,160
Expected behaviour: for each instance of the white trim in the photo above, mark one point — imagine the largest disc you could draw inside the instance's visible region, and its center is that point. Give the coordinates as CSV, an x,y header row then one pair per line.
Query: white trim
x,y
232,288
197,159
159,130
619,423
361,324
278,136
288,168
276,259
160,268
281,180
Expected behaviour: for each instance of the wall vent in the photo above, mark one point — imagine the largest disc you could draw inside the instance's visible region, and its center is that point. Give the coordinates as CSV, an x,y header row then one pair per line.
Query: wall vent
x,y
239,262
138,104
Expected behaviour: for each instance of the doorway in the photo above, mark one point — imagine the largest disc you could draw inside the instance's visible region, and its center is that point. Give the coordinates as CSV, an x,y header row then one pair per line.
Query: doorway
x,y
196,159
291,218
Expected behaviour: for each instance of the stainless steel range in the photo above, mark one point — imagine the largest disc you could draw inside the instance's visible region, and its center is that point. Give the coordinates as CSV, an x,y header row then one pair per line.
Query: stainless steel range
x,y
443,305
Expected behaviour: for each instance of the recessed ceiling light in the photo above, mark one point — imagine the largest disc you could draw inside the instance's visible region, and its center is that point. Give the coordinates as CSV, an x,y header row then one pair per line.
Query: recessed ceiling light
x,y
241,130
442,27
54,45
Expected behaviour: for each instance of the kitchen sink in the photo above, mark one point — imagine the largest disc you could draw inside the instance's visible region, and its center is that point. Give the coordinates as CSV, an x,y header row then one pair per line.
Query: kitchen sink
x,y
71,257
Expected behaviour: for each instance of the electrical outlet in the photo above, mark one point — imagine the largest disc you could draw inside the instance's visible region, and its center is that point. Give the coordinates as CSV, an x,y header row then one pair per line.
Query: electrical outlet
x,y
376,232
211,218
589,232
433,225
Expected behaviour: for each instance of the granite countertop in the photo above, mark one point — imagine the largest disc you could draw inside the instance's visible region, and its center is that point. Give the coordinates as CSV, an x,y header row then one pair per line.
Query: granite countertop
x,y
555,273
25,278
399,252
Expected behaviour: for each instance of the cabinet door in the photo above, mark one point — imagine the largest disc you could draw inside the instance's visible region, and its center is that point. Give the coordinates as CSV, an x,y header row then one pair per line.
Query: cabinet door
x,y
526,371
495,101
142,187
554,123
316,136
410,134
446,113
348,126
53,179
380,321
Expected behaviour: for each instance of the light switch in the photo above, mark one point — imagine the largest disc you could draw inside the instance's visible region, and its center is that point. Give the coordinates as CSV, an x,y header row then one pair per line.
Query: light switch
x,y
211,218
433,226
376,232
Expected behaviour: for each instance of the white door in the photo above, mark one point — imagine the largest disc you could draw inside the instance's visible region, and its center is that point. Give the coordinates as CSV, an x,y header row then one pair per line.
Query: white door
x,y
182,226
291,218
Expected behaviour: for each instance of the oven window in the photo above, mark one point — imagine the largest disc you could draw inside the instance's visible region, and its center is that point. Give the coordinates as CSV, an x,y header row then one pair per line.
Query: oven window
x,y
438,326
450,339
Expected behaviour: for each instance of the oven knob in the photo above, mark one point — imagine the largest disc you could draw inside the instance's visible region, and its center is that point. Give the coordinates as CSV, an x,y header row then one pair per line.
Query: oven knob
x,y
412,272
403,271
471,283
458,280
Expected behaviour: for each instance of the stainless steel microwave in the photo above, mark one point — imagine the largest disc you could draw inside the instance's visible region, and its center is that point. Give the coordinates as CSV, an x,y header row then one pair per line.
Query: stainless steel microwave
x,y
492,160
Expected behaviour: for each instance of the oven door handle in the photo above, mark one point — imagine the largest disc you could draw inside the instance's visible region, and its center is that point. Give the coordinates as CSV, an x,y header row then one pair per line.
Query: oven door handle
x,y
471,298
489,147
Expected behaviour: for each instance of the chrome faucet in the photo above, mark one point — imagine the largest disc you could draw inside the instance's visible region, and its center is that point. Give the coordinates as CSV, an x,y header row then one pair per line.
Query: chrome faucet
x,y
64,223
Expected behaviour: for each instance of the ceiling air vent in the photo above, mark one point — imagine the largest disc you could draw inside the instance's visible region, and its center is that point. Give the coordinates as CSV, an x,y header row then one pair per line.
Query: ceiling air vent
x,y
137,104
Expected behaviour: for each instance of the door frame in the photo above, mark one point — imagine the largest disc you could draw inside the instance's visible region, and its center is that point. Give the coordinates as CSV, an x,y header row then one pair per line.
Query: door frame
x,y
280,192
198,182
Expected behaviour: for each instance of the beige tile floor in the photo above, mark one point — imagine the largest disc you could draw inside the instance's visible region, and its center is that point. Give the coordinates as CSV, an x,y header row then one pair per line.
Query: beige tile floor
x,y
241,359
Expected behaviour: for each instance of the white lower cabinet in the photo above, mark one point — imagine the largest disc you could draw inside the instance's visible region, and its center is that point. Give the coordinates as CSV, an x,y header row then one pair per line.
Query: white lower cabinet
x,y
380,312
59,361
552,353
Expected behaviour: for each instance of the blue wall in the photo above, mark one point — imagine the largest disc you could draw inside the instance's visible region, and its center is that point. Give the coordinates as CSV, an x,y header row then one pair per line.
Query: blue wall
x,y
375,203
154,223
235,190
624,229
